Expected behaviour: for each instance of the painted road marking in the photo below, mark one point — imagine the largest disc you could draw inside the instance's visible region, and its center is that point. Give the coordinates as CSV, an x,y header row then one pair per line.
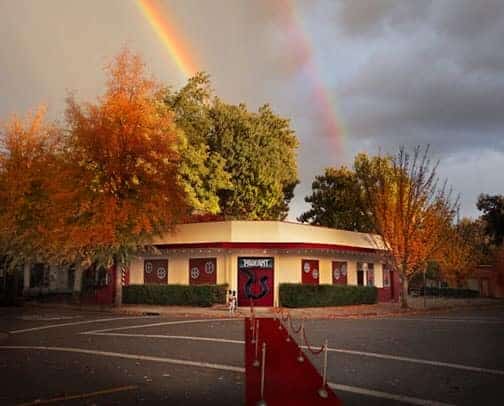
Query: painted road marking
x,y
164,323
340,350
386,395
188,338
76,323
80,396
417,361
42,317
127,356
447,320
343,388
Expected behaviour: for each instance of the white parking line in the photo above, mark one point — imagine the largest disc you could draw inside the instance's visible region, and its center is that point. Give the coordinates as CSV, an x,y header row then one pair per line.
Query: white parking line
x,y
127,356
343,388
76,323
417,361
338,350
445,320
164,323
385,395
187,338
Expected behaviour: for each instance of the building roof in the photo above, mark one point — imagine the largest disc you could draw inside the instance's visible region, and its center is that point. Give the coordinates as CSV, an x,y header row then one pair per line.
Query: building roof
x,y
267,233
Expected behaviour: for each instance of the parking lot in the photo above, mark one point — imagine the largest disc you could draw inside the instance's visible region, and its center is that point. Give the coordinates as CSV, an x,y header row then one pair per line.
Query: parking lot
x,y
74,357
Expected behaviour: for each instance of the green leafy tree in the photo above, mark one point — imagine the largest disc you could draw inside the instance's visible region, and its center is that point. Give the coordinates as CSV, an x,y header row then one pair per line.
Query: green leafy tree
x,y
337,201
201,170
493,216
236,162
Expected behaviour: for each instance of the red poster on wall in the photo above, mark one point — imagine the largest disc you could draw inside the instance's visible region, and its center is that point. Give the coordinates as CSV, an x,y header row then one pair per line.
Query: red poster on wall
x,y
339,273
156,271
255,281
310,271
202,271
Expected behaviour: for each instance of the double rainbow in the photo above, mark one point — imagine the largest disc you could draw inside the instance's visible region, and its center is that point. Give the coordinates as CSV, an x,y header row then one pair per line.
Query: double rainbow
x,y
159,19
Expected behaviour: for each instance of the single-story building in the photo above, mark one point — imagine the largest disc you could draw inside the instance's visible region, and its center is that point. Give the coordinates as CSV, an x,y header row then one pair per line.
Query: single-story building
x,y
253,258
488,280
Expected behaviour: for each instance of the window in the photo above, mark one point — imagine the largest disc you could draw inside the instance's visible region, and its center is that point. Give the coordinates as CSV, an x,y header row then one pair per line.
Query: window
x,y
310,271
156,271
202,271
339,273
386,276
39,276
370,274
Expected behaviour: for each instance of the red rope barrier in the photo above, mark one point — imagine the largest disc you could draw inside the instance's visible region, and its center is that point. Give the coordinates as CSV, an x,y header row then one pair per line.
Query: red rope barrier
x,y
308,346
295,330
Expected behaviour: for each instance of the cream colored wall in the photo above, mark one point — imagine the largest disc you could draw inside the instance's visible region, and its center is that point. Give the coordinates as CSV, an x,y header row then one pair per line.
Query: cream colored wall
x,y
378,274
219,231
266,231
178,268
287,268
136,271
351,272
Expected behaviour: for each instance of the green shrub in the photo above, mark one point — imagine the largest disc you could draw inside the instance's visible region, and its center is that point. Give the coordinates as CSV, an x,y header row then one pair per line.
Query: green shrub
x,y
451,292
298,295
181,295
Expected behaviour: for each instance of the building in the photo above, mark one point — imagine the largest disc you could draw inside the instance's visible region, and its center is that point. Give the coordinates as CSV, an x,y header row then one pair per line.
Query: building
x,y
488,280
252,257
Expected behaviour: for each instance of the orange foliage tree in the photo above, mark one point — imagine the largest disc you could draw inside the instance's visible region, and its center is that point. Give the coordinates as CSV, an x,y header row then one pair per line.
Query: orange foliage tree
x,y
408,209
30,159
462,251
122,156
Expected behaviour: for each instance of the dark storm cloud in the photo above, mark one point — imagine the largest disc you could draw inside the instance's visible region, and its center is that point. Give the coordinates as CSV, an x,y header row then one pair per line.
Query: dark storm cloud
x,y
441,82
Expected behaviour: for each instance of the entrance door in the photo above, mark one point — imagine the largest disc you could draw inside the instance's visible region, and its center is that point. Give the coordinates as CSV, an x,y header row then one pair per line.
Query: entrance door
x,y
256,281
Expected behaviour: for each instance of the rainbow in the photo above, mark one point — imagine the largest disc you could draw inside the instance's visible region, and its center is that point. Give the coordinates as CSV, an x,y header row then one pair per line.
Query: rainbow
x,y
165,29
179,52
325,106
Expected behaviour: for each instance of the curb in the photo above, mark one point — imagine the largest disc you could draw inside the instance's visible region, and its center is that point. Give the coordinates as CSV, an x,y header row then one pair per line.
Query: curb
x,y
224,314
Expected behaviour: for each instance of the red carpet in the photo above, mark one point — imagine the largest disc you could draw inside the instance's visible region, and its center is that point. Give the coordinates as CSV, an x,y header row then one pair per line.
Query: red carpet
x,y
287,381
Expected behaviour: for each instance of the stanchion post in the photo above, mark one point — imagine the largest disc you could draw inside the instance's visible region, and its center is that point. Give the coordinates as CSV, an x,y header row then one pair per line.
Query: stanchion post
x,y
256,359
300,357
262,402
323,391
254,323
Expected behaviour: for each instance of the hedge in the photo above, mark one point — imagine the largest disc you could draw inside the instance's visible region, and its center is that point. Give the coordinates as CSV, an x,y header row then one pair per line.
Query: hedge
x,y
182,295
298,295
450,292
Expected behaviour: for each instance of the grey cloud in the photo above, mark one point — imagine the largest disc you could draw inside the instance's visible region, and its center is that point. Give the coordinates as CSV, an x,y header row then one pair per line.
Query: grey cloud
x,y
427,90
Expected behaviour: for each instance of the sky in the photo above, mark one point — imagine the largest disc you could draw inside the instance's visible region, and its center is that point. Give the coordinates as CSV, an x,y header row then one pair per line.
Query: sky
x,y
352,76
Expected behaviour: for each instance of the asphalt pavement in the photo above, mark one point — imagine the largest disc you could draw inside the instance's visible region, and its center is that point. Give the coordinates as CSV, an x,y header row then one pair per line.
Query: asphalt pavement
x,y
79,358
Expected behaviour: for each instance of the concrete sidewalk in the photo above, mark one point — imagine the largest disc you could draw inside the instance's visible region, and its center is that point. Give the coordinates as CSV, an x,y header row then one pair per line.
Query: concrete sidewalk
x,y
433,305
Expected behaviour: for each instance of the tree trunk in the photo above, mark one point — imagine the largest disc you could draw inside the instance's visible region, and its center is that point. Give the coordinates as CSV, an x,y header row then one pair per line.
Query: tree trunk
x,y
404,292
118,266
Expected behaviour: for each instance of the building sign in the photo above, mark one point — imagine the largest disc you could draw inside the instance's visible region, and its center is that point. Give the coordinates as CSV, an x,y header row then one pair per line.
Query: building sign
x,y
202,271
255,263
255,281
